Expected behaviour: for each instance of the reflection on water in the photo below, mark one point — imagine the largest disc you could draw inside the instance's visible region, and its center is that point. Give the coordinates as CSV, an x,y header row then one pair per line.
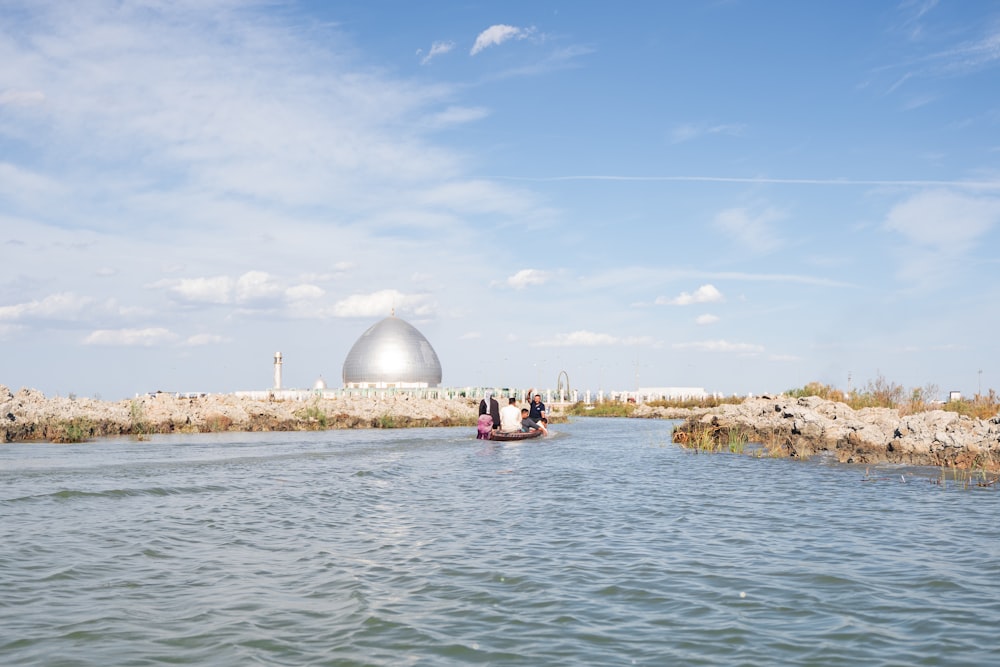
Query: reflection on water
x,y
605,544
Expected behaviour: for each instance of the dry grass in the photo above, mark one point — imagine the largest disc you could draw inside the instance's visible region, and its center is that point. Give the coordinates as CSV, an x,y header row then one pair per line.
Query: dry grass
x,y
217,423
881,393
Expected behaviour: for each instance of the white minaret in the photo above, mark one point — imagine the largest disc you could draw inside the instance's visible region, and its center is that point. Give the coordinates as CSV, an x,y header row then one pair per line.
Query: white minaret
x,y
277,370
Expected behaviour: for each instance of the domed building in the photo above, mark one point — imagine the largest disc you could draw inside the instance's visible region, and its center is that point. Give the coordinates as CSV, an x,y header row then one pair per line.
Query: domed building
x,y
392,354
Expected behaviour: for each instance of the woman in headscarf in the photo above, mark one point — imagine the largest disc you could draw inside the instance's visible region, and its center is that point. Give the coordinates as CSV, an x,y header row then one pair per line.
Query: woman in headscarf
x,y
491,408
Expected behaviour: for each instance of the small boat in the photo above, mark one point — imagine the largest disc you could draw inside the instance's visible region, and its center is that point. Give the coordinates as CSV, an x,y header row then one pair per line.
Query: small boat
x,y
515,435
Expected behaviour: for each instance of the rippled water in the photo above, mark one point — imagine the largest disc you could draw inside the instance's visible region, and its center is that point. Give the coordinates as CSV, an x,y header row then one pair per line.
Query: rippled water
x,y
602,545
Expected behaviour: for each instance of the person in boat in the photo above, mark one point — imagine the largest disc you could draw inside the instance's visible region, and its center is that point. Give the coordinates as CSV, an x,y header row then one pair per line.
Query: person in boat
x,y
536,409
490,406
510,416
484,428
529,424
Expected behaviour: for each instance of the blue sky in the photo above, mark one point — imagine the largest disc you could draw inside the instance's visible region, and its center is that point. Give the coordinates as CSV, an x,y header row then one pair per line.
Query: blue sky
x,y
744,196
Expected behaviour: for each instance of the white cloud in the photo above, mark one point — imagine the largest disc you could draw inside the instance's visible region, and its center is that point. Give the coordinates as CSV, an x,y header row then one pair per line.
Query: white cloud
x,y
377,304
704,294
338,269
304,292
692,131
256,286
7,330
456,115
938,228
527,277
753,231
720,346
437,49
706,319
199,93
18,184
498,34
65,305
251,288
206,339
21,98
130,337
944,220
477,197
217,289
591,339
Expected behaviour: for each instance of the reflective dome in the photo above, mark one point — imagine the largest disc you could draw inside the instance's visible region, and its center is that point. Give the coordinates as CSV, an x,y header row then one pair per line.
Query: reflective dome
x,y
392,353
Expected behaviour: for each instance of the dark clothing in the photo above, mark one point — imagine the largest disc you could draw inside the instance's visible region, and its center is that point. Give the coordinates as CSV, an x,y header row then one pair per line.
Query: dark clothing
x,y
493,410
535,410
529,424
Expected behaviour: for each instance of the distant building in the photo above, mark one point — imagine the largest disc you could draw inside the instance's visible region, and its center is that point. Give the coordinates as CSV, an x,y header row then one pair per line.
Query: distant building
x,y
392,354
670,393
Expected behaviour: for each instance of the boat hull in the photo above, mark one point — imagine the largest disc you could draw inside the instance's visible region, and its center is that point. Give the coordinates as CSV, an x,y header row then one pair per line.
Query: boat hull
x,y
506,436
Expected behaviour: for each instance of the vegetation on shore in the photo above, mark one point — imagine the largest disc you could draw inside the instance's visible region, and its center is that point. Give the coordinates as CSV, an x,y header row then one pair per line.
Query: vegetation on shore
x,y
877,393
881,393
880,422
626,409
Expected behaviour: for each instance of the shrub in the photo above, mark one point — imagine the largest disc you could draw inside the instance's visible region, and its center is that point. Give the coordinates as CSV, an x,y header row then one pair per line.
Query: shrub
x,y
215,423
140,427
979,407
313,414
73,430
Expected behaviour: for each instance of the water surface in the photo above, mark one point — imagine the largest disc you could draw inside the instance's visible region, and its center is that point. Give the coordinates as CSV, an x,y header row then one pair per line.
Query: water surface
x,y
603,545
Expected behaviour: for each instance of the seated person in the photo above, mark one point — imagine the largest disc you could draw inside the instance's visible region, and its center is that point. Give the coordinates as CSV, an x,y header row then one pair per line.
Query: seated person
x,y
529,424
510,416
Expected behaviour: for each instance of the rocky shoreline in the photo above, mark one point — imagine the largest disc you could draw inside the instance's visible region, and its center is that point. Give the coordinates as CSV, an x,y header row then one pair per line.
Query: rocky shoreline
x,y
797,428
811,426
29,415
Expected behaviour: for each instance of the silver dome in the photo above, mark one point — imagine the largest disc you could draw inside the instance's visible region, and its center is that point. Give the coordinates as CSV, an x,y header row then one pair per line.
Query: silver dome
x,y
392,353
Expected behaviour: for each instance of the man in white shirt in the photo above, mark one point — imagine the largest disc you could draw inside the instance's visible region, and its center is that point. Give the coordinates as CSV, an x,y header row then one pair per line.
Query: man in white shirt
x,y
510,416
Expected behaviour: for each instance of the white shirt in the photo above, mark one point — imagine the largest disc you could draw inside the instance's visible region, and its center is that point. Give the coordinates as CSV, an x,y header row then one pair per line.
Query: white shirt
x,y
510,418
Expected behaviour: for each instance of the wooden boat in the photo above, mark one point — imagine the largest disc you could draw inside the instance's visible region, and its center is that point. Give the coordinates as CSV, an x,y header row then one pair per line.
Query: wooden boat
x,y
507,436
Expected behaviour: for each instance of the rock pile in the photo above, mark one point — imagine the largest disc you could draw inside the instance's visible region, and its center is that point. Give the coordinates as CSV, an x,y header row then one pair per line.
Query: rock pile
x,y
811,425
29,415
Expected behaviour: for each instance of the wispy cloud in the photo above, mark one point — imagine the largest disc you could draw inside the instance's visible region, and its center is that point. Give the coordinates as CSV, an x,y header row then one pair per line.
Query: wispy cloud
x,y
591,339
305,292
437,49
706,319
993,184
944,220
527,277
456,115
252,287
130,337
704,294
720,346
751,229
961,58
939,228
21,98
200,340
64,305
498,34
691,131
382,304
